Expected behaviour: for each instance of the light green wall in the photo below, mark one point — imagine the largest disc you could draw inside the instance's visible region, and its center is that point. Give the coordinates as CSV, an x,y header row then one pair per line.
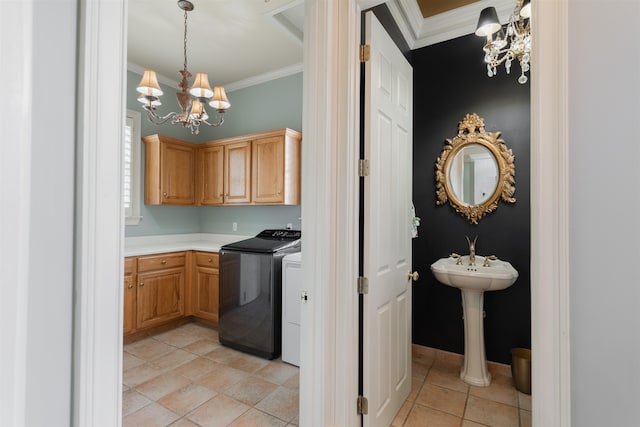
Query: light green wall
x,y
271,105
250,219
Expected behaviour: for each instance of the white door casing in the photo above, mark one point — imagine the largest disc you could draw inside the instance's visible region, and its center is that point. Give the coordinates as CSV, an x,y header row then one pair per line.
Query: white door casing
x,y
387,226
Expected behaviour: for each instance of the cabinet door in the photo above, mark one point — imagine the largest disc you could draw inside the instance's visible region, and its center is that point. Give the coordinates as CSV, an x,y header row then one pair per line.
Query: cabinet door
x,y
159,296
129,309
129,321
177,174
210,175
206,292
268,170
206,285
237,173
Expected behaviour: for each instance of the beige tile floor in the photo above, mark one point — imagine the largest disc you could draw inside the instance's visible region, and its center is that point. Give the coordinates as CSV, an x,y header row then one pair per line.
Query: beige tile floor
x,y
184,377
440,398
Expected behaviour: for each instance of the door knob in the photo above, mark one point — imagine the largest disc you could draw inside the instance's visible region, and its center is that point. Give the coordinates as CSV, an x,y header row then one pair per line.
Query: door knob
x,y
413,276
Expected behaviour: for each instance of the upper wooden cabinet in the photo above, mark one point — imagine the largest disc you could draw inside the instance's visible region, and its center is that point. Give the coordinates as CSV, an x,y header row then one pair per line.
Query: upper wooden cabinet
x,y
210,176
224,174
169,171
237,173
260,168
276,168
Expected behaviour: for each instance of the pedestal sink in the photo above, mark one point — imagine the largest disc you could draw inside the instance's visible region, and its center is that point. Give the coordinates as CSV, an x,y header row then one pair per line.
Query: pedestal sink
x,y
488,274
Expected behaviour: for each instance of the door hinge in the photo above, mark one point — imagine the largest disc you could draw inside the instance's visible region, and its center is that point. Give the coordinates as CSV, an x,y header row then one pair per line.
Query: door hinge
x,y
363,167
363,405
363,285
365,52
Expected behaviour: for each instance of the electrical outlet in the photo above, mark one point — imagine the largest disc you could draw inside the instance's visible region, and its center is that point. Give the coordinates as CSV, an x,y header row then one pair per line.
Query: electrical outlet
x,y
235,226
289,226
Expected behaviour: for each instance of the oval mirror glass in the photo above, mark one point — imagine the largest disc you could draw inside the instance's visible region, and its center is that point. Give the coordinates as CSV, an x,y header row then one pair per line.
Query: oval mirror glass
x,y
473,174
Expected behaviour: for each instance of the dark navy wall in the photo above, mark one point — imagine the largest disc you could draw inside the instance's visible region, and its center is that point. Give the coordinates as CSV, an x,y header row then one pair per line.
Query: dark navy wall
x,y
450,80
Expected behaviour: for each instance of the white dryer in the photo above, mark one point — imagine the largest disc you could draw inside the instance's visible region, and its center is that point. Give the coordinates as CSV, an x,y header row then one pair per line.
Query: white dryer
x,y
291,289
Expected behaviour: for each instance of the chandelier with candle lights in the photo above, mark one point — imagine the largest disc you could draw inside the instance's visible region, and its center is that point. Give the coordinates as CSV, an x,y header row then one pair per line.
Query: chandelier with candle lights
x,y
506,48
192,99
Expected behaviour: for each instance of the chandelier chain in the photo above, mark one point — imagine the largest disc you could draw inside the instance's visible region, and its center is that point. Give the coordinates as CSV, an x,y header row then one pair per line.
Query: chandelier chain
x,y
185,40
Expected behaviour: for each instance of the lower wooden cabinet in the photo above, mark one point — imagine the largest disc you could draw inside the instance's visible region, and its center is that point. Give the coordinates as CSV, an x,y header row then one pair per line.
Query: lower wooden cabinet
x,y
129,310
206,286
162,288
153,290
159,297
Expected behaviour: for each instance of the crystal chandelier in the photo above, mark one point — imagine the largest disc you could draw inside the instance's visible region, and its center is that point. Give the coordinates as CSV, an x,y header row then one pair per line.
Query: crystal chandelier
x,y
192,99
515,45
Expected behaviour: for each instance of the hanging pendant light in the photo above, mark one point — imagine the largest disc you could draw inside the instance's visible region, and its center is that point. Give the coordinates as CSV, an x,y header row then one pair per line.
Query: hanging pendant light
x,y
192,99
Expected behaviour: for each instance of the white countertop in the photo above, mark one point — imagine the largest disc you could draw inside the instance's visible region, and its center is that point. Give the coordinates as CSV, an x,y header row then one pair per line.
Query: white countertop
x,y
145,245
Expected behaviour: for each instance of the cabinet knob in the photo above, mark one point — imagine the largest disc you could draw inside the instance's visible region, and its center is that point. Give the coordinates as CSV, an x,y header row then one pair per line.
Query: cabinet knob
x,y
210,260
279,192
163,262
130,286
141,284
164,194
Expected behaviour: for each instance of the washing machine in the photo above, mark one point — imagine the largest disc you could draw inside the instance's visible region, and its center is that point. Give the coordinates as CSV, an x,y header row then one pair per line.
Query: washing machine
x,y
291,290
250,297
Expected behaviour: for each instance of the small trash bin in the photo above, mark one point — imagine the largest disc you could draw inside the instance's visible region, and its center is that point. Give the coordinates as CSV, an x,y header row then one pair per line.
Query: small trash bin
x,y
521,369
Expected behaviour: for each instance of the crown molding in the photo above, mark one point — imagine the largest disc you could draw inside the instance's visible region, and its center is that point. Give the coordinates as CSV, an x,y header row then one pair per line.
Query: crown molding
x,y
240,84
263,78
419,32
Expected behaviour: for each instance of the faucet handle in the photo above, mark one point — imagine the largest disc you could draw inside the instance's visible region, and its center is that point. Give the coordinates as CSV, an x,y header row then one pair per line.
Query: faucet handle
x,y
487,258
457,257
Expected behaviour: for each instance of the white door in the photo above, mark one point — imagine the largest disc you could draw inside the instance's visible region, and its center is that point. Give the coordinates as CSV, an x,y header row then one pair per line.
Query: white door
x,y
387,227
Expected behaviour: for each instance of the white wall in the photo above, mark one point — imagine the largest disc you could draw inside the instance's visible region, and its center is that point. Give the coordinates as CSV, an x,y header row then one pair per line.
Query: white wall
x,y
604,156
37,134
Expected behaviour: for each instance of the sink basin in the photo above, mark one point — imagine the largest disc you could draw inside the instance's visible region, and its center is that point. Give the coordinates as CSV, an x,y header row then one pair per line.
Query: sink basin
x,y
497,276
473,281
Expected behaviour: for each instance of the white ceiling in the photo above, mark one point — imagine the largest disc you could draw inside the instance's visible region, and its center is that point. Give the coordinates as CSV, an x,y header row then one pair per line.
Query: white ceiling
x,y
239,43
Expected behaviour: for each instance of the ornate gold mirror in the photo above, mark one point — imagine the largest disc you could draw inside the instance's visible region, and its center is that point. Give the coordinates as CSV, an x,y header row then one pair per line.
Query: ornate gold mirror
x,y
475,170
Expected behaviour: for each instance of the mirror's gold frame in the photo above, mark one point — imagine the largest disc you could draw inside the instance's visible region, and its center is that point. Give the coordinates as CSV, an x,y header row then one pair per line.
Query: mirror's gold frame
x,y
471,131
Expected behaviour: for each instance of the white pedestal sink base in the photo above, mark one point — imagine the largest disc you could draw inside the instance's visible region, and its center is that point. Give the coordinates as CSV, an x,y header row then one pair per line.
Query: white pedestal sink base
x,y
473,281
474,371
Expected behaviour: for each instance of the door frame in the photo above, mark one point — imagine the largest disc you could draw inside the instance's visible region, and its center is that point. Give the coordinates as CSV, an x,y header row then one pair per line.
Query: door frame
x,y
330,30
330,212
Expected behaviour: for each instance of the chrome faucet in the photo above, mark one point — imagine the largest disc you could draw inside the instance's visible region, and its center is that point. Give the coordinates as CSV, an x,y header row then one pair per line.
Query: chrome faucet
x,y
472,250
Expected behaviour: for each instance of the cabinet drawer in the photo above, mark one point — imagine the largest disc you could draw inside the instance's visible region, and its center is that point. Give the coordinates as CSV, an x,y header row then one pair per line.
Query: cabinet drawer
x,y
207,259
157,262
129,265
